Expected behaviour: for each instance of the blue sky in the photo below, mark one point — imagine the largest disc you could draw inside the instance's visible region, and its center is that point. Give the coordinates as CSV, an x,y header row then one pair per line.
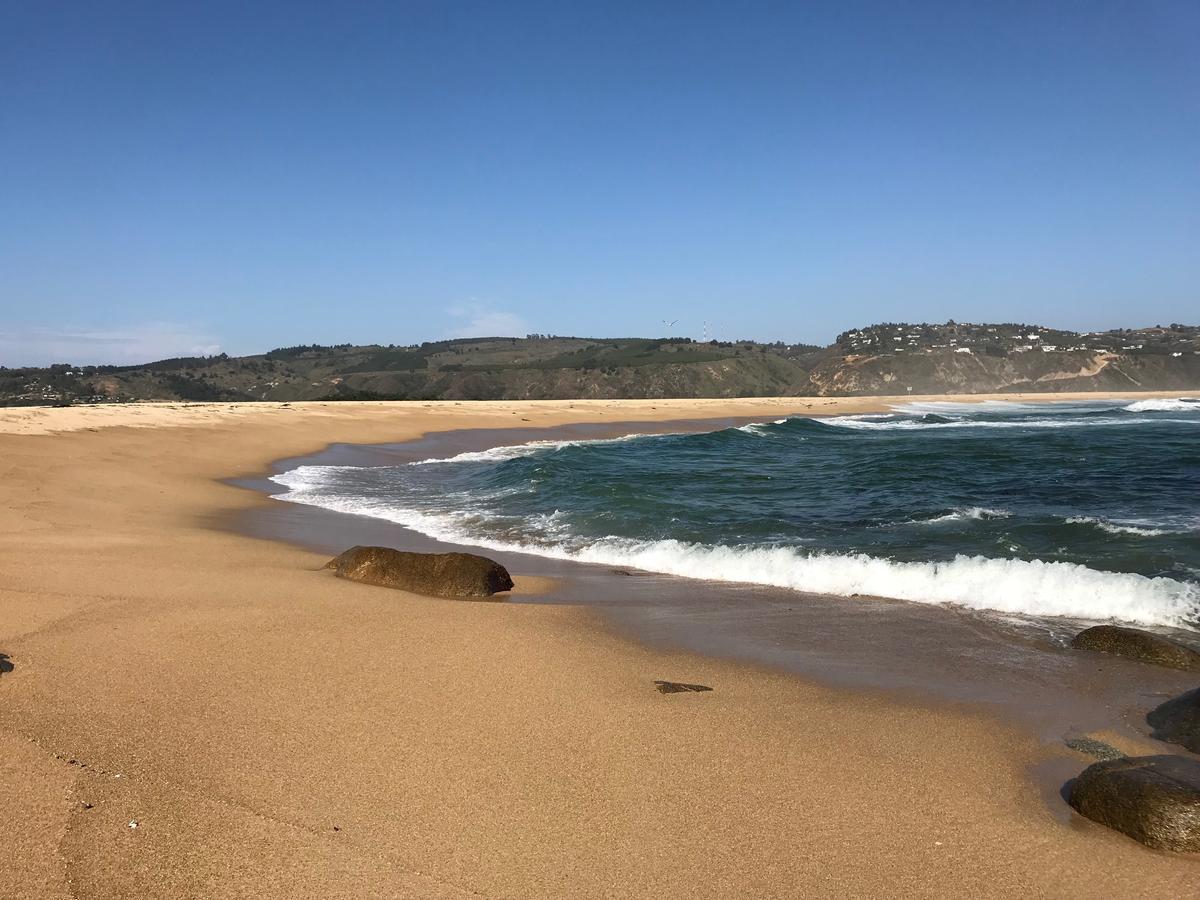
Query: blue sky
x,y
178,177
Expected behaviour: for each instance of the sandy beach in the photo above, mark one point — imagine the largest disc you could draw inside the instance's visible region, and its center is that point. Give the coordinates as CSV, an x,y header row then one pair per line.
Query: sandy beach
x,y
188,712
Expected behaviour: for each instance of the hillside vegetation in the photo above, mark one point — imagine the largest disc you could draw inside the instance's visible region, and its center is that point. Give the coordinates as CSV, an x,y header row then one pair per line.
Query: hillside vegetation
x,y
889,358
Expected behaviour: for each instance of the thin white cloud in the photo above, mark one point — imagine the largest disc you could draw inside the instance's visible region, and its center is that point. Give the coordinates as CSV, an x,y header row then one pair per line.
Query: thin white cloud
x,y
480,320
122,345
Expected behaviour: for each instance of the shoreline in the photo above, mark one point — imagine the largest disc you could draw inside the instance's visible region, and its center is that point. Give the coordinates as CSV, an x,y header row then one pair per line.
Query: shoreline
x,y
252,705
778,629
34,420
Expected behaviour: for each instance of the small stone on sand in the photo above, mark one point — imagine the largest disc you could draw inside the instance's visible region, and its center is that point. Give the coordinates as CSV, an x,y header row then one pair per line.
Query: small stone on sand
x,y
678,687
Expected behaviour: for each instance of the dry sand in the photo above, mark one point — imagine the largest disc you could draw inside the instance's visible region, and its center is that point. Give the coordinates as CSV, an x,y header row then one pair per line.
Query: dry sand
x,y
275,732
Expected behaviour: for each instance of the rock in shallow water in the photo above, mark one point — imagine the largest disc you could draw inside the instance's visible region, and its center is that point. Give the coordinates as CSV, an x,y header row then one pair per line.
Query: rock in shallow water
x,y
1178,721
1144,646
1153,799
437,574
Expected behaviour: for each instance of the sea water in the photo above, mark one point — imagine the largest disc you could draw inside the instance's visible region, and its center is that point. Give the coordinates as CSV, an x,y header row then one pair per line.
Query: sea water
x,y
1082,510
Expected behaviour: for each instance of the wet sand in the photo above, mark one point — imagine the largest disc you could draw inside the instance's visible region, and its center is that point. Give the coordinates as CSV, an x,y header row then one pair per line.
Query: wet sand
x,y
278,732
1020,668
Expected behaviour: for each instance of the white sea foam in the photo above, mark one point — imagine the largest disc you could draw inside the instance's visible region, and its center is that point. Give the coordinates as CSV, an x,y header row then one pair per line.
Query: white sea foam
x,y
1114,528
886,422
1179,405
496,454
1007,585
757,429
303,481
1140,527
1017,586
514,451
761,429
968,408
953,408
974,513
1010,414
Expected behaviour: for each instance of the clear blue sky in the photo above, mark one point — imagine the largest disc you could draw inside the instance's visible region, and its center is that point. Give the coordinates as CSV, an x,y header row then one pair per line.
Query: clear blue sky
x,y
178,177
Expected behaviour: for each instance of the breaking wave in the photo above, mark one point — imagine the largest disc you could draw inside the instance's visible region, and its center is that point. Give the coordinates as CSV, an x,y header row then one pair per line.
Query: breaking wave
x,y
892,422
1027,587
1097,521
1139,527
918,415
515,451
969,513
1181,404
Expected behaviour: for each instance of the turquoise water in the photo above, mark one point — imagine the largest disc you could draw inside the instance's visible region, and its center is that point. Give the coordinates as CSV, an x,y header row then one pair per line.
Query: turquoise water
x,y
1083,510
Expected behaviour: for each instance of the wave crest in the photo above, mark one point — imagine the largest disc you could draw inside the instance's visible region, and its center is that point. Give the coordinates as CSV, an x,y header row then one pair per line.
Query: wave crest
x,y
515,451
1181,404
890,422
972,513
1139,527
1028,587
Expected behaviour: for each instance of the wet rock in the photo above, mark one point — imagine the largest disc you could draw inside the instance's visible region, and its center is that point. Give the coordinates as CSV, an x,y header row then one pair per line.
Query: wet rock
x,y
1134,643
1094,748
437,574
1178,721
678,687
1153,799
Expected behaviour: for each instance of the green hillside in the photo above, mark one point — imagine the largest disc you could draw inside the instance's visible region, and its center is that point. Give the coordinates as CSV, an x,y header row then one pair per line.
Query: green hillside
x,y
879,359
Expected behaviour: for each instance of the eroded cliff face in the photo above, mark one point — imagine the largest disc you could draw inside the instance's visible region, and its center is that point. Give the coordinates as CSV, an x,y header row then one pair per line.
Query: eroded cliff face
x,y
969,373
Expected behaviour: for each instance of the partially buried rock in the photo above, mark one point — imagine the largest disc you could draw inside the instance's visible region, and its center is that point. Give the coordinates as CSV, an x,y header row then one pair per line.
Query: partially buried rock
x,y
1153,799
678,687
1134,643
1178,721
438,574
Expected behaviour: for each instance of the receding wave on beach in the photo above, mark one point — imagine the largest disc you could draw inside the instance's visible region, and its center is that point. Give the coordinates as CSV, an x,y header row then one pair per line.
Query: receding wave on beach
x,y
1054,516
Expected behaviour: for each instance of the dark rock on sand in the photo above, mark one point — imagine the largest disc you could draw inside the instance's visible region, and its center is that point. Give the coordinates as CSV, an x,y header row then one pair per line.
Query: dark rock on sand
x,y
1134,643
678,687
1094,748
1178,721
1153,799
437,574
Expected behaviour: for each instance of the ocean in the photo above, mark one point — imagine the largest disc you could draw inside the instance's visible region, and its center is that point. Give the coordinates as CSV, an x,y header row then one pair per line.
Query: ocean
x,y
1083,510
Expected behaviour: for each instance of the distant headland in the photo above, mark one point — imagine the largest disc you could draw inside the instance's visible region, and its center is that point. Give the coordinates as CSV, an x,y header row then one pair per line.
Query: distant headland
x,y
888,358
